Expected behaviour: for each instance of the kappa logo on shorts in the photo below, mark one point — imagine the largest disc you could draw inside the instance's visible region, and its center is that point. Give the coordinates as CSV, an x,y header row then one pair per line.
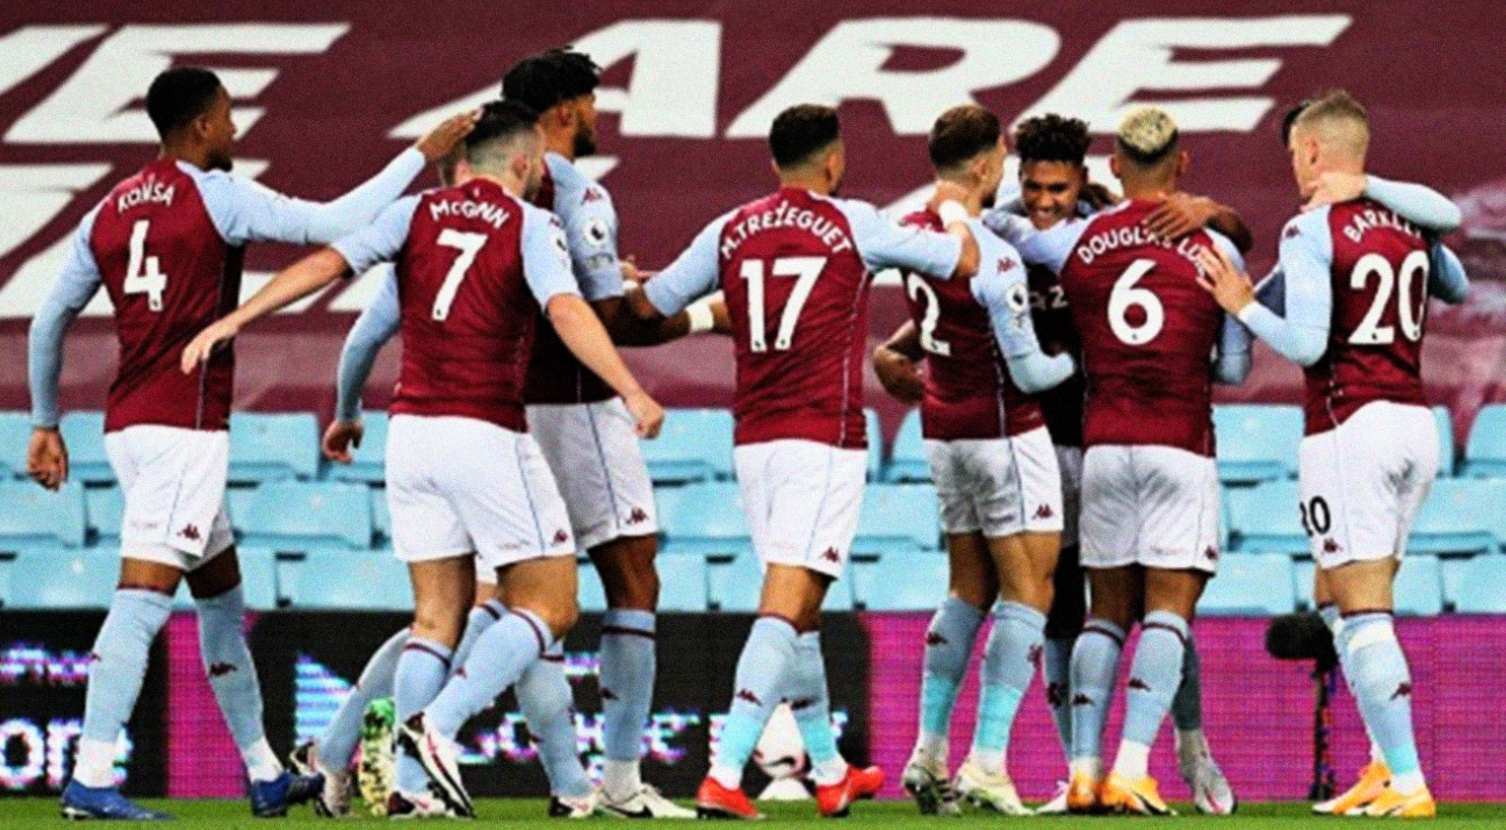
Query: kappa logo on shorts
x,y
189,532
637,515
1044,512
561,537
1330,545
831,555
1211,554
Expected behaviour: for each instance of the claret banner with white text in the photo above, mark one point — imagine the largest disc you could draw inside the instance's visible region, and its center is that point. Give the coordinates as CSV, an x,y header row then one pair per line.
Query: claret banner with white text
x,y
326,93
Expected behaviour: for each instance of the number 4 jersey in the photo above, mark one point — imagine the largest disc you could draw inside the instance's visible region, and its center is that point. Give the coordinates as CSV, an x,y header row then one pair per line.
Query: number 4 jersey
x,y
795,267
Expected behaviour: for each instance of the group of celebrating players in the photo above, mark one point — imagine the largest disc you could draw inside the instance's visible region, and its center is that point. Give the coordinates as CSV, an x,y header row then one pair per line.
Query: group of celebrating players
x,y
1070,339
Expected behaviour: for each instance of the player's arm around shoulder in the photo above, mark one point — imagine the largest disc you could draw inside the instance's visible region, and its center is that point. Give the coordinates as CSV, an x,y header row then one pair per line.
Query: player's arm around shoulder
x,y
1001,287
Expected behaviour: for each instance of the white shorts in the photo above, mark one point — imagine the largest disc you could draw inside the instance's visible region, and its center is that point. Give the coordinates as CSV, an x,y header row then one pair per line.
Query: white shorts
x,y
1363,482
457,485
1000,486
1069,461
802,500
593,450
1149,505
173,480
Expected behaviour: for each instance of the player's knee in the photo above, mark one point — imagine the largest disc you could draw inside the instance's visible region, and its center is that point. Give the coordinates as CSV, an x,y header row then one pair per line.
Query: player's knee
x,y
441,622
561,616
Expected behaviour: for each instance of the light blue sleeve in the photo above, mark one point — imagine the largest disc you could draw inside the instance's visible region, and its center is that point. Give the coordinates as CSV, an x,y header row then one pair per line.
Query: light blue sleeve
x,y
1418,204
76,285
1271,291
376,325
1049,248
1001,288
381,240
246,211
546,257
1232,362
884,243
1446,277
1306,257
694,273
590,219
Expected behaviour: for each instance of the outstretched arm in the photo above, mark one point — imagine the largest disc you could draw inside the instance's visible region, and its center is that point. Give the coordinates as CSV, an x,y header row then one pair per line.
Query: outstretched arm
x,y
1419,204
376,325
1184,213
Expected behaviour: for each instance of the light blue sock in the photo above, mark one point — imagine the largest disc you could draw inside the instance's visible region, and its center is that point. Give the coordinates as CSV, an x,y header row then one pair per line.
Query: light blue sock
x,y
1095,666
1014,644
421,670
478,620
760,683
116,669
1187,703
547,704
338,743
627,680
1056,666
949,646
232,675
1154,677
500,655
1382,686
811,705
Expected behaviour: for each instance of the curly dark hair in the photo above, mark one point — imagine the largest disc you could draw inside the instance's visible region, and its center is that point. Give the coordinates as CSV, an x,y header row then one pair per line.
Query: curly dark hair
x,y
1051,137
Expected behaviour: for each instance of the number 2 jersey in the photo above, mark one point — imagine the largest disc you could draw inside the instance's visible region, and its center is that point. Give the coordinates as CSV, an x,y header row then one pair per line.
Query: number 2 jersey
x,y
167,243
1147,329
795,268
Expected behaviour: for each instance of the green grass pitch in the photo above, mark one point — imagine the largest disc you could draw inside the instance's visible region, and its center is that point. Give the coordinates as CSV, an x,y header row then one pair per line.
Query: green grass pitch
x,y
26,814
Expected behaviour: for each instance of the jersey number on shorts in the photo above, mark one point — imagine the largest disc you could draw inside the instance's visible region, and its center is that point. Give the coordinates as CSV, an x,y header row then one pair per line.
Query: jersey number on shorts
x,y
142,274
1126,296
805,270
469,244
916,286
1410,286
1316,519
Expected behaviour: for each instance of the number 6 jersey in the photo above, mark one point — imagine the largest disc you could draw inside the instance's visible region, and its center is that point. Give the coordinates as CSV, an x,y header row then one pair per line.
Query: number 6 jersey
x,y
795,267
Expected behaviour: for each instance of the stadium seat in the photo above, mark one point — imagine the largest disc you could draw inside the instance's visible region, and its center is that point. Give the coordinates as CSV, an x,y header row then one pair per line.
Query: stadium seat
x,y
682,582
875,432
1418,590
266,447
735,582
1251,583
1480,584
381,515
1447,462
104,507
1460,516
46,577
1264,518
590,593
258,577
30,515
15,438
695,445
1485,451
84,432
335,579
703,518
368,462
908,462
302,515
1256,442
896,518
899,582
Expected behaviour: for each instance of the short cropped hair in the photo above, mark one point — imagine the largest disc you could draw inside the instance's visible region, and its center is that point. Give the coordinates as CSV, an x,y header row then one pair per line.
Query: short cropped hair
x,y
1147,136
800,131
1051,137
1290,118
1333,105
177,96
961,133
551,78
500,122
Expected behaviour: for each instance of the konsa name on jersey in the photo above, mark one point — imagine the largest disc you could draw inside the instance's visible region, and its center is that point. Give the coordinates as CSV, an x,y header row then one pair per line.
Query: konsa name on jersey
x,y
785,215
150,191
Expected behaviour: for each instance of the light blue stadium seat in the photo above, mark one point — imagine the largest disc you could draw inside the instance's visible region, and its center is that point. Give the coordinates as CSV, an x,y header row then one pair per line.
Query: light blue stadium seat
x,y
703,518
301,515
1485,451
909,461
1481,586
30,515
15,437
682,582
268,447
1256,442
875,432
1447,463
735,583
1251,583
84,432
695,445
105,509
1305,568
55,577
368,461
899,582
1460,515
590,593
898,517
341,579
1265,518
258,577
1418,590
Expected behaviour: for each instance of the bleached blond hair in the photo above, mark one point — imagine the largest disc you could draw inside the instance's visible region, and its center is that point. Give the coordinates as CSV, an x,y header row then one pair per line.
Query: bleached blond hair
x,y
1147,135
1336,119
